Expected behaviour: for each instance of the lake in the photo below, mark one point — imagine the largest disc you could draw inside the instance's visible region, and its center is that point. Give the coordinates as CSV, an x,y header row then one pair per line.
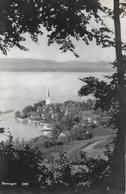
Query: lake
x,y
19,89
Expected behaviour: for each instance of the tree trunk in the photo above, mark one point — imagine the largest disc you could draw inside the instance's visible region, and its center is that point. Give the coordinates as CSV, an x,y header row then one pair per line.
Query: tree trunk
x,y
118,165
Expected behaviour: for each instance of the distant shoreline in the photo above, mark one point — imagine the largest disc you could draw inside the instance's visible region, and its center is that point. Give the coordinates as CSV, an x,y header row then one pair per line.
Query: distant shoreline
x,y
6,112
34,65
56,71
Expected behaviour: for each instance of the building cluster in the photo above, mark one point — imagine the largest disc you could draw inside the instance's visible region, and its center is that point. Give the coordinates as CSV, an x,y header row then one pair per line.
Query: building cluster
x,y
46,115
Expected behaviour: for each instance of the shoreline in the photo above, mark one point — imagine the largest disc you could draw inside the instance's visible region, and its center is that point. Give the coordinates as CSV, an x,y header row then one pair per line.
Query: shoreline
x,y
28,120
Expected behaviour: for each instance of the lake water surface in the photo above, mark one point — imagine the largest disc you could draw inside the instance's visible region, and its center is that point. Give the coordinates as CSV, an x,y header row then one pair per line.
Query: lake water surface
x,y
19,89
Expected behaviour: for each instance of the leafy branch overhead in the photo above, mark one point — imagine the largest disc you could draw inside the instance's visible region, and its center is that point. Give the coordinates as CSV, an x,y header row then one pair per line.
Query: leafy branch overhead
x,y
64,21
106,93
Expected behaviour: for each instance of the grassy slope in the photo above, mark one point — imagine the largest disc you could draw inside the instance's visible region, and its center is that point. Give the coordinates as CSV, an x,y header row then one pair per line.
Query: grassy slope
x,y
34,65
73,148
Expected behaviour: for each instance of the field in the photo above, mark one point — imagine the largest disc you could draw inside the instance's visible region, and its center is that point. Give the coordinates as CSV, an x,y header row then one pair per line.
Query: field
x,y
94,147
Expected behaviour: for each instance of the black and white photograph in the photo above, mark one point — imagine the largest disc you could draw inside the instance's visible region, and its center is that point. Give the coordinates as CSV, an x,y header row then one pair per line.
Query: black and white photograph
x,y
62,96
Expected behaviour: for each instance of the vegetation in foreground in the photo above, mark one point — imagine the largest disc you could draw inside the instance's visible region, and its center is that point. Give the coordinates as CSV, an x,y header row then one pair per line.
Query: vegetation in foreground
x,y
21,163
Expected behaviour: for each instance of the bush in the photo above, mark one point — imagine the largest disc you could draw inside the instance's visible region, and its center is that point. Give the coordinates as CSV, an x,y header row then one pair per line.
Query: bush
x,y
51,143
92,172
19,163
63,170
80,134
48,143
59,142
46,178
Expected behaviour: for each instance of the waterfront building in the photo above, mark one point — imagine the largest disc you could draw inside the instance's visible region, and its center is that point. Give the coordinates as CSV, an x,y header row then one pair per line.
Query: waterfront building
x,y
46,129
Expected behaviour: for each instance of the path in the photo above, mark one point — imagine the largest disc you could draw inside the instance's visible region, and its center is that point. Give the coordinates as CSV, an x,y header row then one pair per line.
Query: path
x,y
91,151
91,146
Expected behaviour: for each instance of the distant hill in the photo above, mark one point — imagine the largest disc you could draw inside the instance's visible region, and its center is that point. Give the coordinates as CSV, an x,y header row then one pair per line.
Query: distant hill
x,y
35,65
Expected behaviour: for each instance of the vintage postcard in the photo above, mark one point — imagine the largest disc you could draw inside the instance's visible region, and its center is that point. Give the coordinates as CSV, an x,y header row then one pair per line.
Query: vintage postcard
x,y
62,96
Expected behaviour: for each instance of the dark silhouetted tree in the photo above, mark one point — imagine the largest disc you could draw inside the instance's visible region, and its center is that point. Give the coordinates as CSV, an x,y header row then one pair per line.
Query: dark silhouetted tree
x,y
111,97
19,163
62,19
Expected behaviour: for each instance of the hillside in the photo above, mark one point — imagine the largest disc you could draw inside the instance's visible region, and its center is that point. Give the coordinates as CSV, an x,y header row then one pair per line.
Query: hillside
x,y
35,65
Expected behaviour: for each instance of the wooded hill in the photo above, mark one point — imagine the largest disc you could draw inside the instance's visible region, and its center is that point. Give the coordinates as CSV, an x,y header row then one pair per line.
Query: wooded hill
x,y
35,65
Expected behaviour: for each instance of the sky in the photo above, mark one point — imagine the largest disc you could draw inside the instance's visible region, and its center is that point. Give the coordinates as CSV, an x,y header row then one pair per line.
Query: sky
x,y
86,53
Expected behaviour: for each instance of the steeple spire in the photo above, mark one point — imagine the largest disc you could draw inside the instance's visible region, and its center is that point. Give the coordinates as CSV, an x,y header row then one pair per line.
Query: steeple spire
x,y
48,97
48,94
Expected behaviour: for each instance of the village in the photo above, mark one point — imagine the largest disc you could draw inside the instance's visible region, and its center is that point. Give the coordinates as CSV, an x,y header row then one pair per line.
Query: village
x,y
62,120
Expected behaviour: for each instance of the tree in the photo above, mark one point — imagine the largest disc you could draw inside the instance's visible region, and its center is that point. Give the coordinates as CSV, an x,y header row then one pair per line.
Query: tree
x,y
19,163
118,174
27,111
64,170
63,20
112,97
56,130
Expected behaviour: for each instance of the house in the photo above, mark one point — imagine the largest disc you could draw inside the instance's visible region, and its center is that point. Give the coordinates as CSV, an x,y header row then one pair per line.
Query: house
x,y
46,129
47,133
75,127
39,109
64,135
43,116
95,122
35,116
89,119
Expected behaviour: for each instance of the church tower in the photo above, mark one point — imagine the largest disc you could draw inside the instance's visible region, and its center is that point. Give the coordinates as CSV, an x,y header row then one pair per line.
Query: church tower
x,y
48,102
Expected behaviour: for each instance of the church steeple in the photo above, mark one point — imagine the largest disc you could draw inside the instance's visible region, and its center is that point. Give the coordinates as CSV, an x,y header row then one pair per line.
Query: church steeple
x,y
48,102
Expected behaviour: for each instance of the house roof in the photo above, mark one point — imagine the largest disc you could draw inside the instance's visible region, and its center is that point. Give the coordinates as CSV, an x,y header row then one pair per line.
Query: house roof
x,y
62,135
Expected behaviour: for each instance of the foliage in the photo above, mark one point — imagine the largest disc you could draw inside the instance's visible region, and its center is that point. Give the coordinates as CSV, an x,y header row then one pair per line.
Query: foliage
x,y
18,114
96,172
39,104
89,173
63,170
19,163
110,98
61,117
56,130
27,110
46,177
2,129
104,93
63,20
52,142
80,133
